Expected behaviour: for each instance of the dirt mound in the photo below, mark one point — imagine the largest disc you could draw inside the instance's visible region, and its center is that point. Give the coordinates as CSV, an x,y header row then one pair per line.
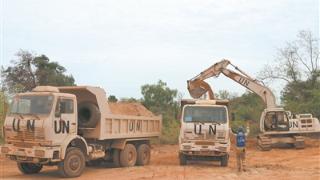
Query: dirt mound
x,y
132,109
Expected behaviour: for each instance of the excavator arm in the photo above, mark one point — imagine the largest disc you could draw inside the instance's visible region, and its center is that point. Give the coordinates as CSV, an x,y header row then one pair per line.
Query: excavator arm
x,y
198,87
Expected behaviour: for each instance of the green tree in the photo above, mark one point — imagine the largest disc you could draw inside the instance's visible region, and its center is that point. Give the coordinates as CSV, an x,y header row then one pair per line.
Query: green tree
x,y
247,107
298,64
161,99
224,94
29,71
3,110
302,97
112,98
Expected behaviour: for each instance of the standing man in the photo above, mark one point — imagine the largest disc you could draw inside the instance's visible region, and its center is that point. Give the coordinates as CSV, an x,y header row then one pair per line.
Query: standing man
x,y
241,147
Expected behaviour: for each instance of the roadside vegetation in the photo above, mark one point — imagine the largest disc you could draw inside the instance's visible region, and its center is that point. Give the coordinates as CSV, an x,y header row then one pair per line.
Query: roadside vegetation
x,y
3,109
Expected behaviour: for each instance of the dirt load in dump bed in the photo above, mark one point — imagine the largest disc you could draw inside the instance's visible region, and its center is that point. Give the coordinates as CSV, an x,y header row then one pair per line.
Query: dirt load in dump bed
x,y
132,109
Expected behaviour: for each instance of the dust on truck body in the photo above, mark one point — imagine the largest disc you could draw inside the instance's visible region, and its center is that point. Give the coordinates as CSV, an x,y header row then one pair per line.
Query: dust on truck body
x,y
69,126
204,132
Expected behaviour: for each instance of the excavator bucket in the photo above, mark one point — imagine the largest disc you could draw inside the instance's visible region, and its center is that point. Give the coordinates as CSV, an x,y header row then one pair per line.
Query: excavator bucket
x,y
198,88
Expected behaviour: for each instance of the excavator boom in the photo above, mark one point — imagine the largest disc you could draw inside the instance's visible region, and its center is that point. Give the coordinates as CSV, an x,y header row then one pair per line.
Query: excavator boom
x,y
197,86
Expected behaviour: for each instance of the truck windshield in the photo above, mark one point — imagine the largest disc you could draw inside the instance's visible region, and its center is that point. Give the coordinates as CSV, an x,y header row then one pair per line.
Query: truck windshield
x,y
31,104
205,114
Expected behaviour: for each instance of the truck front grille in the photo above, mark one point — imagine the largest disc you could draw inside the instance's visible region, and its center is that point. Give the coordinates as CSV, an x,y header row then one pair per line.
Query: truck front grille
x,y
205,143
31,135
25,135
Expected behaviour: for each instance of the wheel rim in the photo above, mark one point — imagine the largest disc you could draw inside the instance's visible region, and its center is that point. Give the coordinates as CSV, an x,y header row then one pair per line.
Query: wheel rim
x,y
145,155
74,163
130,156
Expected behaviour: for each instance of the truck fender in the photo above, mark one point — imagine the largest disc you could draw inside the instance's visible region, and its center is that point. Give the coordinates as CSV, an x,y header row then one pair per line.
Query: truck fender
x,y
74,141
121,143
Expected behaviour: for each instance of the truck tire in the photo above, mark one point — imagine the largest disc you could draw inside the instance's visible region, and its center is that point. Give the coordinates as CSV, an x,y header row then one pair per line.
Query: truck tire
x,y
183,159
73,163
128,156
143,155
29,168
116,158
88,114
224,160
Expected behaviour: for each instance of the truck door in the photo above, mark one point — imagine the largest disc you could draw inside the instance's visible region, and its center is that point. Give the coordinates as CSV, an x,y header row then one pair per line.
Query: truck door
x,y
64,118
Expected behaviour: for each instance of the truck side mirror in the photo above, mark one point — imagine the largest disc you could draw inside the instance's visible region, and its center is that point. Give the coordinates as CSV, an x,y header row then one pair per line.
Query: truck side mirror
x,y
233,116
57,112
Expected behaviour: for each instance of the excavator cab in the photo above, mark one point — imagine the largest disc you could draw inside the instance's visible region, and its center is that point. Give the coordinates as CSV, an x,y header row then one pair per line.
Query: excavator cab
x,y
276,121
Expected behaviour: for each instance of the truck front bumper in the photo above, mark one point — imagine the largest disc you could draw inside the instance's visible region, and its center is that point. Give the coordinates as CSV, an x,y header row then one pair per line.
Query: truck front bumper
x,y
192,149
35,154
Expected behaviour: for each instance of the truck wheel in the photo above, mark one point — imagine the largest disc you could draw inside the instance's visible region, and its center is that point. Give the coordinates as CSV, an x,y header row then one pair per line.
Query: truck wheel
x,y
183,159
128,156
143,155
116,157
88,114
73,163
224,160
29,168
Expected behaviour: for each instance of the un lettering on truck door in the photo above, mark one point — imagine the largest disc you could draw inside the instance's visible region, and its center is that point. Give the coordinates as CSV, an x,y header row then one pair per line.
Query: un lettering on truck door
x,y
64,121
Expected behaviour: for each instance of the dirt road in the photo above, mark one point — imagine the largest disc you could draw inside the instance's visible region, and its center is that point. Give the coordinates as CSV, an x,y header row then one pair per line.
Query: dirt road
x,y
275,164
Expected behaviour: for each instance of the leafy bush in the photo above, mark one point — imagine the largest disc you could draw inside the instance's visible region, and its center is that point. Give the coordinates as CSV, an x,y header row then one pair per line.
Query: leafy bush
x,y
3,109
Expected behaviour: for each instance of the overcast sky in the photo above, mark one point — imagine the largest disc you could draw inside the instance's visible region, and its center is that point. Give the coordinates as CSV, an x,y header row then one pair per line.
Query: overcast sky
x,y
121,45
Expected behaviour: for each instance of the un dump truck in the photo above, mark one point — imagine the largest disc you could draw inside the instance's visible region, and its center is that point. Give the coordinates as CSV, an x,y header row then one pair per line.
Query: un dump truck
x,y
69,126
204,132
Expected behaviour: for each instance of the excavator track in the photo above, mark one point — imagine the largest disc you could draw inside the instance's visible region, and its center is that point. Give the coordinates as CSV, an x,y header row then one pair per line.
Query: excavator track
x,y
264,143
299,142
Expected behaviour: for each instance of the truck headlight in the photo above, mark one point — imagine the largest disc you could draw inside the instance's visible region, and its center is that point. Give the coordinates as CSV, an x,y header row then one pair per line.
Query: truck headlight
x,y
39,153
221,135
4,150
186,147
223,149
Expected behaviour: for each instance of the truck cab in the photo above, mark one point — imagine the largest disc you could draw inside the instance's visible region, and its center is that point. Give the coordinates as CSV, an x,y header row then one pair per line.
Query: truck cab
x,y
37,125
204,132
71,126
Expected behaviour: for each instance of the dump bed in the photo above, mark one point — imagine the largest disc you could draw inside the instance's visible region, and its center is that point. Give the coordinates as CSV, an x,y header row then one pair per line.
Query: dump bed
x,y
117,120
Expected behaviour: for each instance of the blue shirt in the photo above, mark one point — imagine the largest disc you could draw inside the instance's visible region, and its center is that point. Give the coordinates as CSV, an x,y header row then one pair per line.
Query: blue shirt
x,y
241,139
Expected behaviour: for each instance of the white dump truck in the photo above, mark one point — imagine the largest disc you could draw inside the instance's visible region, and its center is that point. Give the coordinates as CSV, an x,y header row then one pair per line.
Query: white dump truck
x,y
69,126
204,132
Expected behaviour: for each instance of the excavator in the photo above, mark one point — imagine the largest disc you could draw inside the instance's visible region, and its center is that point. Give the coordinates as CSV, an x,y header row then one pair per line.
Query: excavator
x,y
277,126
